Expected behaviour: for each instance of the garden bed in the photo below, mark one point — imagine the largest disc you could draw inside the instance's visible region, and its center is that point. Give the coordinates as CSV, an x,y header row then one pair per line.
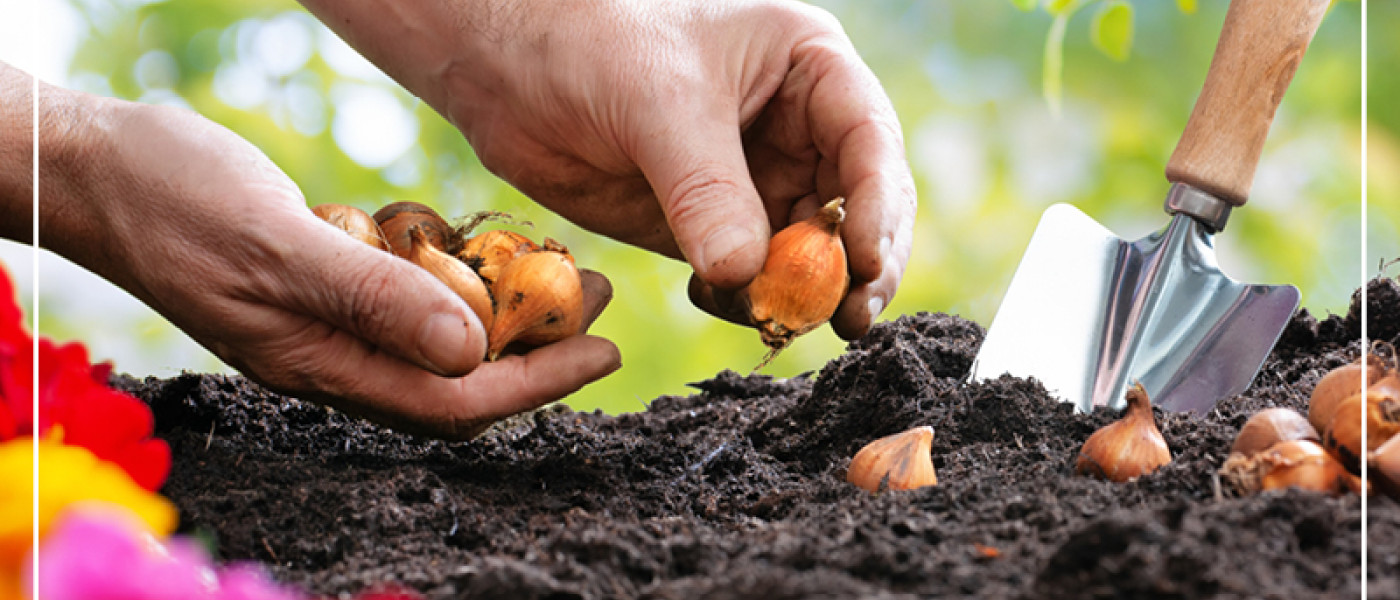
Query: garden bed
x,y
738,491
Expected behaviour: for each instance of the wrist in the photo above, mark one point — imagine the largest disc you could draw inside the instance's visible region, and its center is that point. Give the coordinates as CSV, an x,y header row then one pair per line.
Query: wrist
x,y
418,44
16,154
75,168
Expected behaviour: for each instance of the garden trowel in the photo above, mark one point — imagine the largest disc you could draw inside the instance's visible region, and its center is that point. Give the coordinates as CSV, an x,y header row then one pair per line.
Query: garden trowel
x,y
1088,314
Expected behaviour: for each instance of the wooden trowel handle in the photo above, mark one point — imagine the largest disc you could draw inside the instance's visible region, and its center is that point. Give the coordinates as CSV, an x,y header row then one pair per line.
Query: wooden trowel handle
x,y
1259,50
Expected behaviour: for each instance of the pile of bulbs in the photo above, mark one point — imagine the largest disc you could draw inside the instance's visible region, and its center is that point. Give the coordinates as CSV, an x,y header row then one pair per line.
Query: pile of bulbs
x,y
1279,448
532,294
523,292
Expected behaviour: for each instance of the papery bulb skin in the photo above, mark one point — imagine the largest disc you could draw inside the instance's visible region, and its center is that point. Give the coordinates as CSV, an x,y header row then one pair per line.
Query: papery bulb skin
x,y
489,251
353,221
1297,463
1343,436
1339,384
1271,426
539,299
1127,448
399,218
803,279
902,461
460,278
1385,468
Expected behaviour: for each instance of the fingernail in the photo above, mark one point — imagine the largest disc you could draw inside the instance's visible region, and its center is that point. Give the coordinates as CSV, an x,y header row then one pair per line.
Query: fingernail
x,y
876,305
442,342
722,243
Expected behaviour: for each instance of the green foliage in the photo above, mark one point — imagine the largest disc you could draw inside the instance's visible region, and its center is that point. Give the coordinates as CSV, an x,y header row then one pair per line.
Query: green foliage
x,y
1111,33
1059,7
966,80
1112,30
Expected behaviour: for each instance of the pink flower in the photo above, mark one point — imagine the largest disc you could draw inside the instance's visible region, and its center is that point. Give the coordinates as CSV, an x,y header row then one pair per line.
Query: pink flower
x,y
108,555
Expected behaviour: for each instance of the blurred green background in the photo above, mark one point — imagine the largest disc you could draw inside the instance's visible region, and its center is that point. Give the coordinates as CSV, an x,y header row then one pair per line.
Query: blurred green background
x,y
966,80
1383,137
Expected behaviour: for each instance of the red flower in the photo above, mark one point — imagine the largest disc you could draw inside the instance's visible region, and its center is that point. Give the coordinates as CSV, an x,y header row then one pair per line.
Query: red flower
x,y
73,395
16,366
115,426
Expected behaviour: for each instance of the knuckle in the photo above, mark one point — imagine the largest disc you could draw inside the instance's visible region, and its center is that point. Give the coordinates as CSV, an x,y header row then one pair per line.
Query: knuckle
x,y
695,192
364,306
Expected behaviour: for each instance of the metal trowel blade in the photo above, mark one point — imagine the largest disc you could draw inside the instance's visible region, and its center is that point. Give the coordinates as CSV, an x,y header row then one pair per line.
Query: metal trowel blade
x,y
1088,314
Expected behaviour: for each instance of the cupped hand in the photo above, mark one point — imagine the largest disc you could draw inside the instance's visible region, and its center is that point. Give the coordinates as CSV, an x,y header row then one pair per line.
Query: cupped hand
x,y
200,225
694,129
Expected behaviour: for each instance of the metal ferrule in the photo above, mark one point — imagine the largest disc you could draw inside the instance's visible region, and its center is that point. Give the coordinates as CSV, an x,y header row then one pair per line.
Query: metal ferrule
x,y
1211,212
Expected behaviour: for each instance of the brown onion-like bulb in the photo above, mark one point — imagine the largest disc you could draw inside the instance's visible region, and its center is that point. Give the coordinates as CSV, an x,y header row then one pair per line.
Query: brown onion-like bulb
x,y
539,299
1343,436
1342,383
803,279
398,218
1297,463
1271,426
460,278
1127,448
1385,467
902,461
353,221
488,251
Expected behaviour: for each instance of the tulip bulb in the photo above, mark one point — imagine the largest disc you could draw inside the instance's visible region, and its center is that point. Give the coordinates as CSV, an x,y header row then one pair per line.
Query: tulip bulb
x,y
803,280
902,461
460,278
1341,383
1343,438
353,221
398,218
1127,448
1296,463
539,299
491,250
1385,467
1271,426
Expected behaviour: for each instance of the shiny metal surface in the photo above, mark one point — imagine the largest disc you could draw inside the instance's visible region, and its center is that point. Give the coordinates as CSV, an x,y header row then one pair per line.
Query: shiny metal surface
x,y
1210,211
1088,313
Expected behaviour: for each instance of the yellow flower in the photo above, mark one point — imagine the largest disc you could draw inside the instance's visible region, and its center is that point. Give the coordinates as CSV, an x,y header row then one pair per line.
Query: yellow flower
x,y
69,477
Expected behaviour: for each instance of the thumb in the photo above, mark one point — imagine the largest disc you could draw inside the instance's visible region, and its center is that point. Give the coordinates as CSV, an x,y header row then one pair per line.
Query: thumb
x,y
389,303
699,175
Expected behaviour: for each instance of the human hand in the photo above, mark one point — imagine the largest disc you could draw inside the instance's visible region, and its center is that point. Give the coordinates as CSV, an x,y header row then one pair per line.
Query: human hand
x,y
200,225
693,129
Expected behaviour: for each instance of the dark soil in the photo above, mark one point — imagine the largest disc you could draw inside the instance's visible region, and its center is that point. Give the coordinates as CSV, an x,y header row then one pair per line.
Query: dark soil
x,y
738,491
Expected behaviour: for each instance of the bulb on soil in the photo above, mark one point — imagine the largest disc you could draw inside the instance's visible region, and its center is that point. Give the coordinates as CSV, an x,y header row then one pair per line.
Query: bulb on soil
x,y
1345,381
353,221
1297,463
803,280
491,250
397,219
1127,448
539,299
457,275
1343,438
1385,467
901,461
1271,426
